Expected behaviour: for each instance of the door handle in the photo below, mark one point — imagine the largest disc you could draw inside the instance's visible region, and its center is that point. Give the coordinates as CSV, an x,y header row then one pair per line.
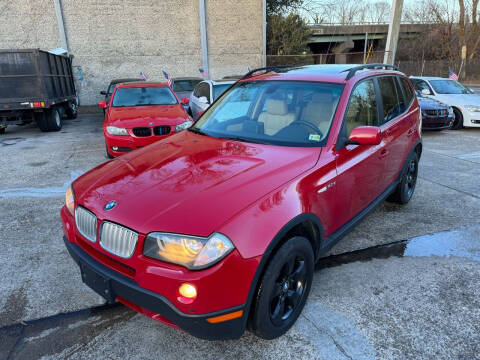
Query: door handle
x,y
410,132
383,153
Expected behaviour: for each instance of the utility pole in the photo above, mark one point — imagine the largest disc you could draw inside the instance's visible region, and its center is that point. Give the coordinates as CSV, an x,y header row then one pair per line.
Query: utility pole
x,y
61,24
365,48
393,31
203,36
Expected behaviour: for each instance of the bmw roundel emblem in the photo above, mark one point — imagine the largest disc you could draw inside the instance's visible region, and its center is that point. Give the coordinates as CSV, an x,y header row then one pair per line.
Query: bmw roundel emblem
x,y
150,123
110,205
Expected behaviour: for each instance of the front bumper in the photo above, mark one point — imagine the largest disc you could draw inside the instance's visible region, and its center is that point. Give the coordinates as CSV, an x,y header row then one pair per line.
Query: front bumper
x,y
115,286
436,122
127,143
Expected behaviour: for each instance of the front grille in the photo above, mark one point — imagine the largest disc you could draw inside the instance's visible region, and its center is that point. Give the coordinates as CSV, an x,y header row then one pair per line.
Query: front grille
x,y
118,240
436,112
86,223
142,131
161,130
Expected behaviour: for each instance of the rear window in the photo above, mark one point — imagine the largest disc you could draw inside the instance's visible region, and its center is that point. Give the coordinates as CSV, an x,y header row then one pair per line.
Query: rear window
x,y
142,96
407,89
185,85
392,105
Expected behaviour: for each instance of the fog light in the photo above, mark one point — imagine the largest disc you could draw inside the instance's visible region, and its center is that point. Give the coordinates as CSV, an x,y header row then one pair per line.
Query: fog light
x,y
115,148
187,292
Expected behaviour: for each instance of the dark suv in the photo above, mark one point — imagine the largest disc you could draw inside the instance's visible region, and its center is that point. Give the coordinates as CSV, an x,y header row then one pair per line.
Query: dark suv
x,y
220,225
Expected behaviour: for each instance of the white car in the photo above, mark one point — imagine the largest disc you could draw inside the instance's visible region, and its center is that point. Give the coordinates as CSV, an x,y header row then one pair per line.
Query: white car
x,y
465,104
205,93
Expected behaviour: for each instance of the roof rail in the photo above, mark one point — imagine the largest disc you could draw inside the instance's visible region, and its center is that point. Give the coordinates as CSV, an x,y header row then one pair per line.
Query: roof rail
x,y
353,70
266,70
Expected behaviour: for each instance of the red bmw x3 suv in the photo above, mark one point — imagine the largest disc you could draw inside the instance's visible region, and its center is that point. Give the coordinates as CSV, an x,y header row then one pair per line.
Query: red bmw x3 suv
x,y
218,227
140,113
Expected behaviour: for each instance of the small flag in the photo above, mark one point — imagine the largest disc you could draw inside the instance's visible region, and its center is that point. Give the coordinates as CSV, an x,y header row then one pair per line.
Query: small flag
x,y
203,72
169,79
143,76
452,75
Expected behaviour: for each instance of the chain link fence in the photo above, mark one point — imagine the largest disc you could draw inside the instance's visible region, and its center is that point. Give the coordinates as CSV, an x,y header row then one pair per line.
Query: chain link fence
x,y
469,71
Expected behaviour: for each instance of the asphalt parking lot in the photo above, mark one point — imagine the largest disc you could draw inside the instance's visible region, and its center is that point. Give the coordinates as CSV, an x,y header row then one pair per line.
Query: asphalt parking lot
x,y
415,298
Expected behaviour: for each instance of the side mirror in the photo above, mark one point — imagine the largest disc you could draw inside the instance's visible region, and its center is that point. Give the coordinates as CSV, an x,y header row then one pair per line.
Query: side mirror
x,y
185,101
365,135
203,100
102,104
103,93
426,92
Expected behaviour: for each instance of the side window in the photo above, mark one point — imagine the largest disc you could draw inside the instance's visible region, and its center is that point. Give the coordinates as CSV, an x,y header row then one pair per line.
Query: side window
x,y
362,107
391,103
204,90
196,90
401,96
407,89
422,85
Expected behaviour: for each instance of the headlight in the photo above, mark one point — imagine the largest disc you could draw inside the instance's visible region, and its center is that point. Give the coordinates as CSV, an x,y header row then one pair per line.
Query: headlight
x,y
190,251
70,199
473,108
183,126
113,130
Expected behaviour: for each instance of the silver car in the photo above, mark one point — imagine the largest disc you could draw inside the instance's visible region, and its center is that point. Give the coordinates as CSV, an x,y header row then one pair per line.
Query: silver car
x,y
206,93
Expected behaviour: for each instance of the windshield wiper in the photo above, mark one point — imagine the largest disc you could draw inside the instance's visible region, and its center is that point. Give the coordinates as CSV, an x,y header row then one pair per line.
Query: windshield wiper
x,y
198,131
239,138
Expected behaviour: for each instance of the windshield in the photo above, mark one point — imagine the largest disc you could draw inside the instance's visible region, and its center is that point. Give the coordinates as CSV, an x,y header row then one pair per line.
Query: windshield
x,y
290,113
141,96
219,90
110,89
449,87
185,85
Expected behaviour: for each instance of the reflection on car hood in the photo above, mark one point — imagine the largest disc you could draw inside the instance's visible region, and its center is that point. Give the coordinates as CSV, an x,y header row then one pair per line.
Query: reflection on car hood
x,y
430,104
189,183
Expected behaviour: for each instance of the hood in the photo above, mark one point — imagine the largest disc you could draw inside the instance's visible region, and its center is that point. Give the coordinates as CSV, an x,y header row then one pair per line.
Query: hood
x,y
189,183
430,104
459,99
129,117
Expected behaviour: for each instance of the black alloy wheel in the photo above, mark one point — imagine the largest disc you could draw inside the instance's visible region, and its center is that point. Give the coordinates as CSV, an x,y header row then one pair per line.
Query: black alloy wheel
x,y
283,289
288,290
458,120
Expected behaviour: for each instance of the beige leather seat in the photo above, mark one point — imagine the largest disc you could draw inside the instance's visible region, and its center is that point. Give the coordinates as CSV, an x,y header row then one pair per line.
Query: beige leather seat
x,y
319,111
276,116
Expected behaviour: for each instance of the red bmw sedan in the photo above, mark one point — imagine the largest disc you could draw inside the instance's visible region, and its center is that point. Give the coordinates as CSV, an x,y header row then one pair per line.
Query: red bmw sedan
x,y
140,113
217,228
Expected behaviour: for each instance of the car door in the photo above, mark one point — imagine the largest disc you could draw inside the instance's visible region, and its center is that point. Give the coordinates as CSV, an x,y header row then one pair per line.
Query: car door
x,y
194,105
205,91
396,124
359,167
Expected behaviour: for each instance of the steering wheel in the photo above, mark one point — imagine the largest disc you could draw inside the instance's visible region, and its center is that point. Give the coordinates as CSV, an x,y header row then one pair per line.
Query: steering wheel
x,y
309,125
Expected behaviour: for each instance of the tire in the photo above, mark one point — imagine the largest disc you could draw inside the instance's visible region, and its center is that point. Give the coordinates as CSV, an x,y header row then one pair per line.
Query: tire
x,y
71,110
2,130
458,121
405,189
54,120
41,120
109,156
283,289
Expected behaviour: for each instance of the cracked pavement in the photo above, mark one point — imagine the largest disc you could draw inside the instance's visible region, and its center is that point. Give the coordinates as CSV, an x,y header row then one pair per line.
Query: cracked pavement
x,y
418,300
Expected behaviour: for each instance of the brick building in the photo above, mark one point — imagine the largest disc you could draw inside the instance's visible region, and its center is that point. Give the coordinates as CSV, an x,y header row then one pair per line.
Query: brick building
x,y
119,38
